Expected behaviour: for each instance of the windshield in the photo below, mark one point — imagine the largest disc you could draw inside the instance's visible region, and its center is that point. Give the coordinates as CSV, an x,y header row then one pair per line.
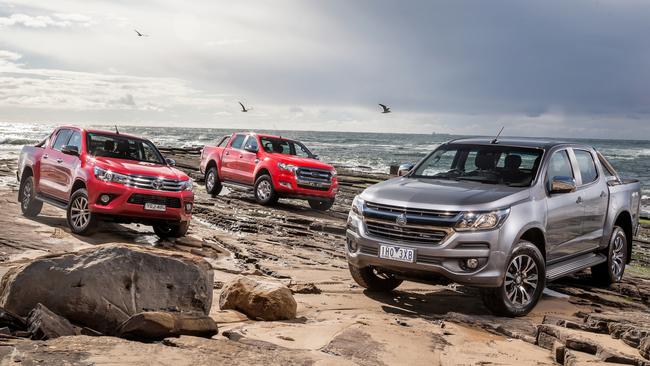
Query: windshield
x,y
283,146
512,166
119,147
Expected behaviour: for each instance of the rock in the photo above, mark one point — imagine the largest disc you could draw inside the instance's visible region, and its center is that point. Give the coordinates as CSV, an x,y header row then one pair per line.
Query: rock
x,y
633,336
102,287
546,340
157,325
259,299
229,316
581,344
44,324
5,331
307,288
11,320
644,348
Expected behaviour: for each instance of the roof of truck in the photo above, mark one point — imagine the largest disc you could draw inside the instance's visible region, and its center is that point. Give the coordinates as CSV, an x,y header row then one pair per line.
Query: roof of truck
x,y
538,143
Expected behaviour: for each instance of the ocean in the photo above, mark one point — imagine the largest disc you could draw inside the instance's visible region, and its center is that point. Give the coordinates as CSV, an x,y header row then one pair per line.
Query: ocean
x,y
371,152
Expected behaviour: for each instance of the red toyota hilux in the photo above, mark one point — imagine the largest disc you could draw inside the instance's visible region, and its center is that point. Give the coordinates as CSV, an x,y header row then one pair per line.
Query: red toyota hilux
x,y
272,166
98,175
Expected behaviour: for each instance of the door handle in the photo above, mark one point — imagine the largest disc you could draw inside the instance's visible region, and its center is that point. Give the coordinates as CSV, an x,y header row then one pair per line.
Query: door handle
x,y
241,156
59,161
579,200
44,156
603,194
227,152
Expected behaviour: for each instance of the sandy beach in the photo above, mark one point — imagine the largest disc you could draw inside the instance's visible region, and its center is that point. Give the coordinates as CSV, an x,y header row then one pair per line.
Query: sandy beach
x,y
338,322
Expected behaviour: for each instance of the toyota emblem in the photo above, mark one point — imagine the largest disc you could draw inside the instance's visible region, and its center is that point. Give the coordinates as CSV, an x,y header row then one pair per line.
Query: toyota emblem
x,y
401,220
156,184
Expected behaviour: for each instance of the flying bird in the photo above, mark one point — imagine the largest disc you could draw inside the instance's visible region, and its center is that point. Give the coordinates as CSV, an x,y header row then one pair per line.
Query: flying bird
x,y
386,109
244,109
140,34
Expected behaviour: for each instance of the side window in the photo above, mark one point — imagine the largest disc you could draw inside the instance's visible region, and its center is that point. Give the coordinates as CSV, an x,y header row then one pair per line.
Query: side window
x,y
586,165
251,143
61,139
75,140
559,166
237,141
300,151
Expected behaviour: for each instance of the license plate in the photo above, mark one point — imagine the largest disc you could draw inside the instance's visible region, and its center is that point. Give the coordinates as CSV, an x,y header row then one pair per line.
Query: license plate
x,y
154,207
397,253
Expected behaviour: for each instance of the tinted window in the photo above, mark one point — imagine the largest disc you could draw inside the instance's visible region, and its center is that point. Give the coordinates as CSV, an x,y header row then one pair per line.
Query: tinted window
x,y
61,139
237,141
251,143
122,147
513,166
559,166
586,165
75,140
286,147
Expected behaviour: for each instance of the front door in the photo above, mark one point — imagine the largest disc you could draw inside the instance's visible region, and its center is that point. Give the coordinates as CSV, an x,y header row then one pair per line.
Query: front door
x,y
565,210
249,160
594,192
230,158
51,180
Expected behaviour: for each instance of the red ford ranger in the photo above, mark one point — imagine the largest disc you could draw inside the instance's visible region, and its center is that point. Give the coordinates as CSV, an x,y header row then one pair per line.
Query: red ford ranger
x,y
272,166
98,175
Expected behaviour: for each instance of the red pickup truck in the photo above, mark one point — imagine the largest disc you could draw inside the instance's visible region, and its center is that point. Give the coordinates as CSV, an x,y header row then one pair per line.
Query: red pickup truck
x,y
272,166
98,175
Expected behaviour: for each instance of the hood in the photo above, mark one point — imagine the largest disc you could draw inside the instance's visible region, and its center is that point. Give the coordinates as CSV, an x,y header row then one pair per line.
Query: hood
x,y
133,167
300,162
444,195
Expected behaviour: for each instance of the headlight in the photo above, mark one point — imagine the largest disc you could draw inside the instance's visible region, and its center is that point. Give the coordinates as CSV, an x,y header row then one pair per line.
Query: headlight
x,y
109,176
357,205
482,220
187,185
289,167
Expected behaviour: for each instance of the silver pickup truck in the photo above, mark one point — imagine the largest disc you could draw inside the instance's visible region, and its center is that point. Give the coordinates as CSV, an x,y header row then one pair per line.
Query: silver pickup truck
x,y
505,215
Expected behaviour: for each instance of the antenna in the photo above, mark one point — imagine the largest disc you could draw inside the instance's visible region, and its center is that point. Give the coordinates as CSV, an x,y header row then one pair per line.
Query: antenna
x,y
496,139
116,130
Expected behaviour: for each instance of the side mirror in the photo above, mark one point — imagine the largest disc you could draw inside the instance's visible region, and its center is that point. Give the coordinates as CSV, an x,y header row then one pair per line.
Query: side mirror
x,y
561,184
250,148
404,169
315,157
70,150
170,162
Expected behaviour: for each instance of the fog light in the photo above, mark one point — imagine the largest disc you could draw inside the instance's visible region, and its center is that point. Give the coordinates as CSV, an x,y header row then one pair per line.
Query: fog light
x,y
286,184
471,263
104,198
188,207
352,246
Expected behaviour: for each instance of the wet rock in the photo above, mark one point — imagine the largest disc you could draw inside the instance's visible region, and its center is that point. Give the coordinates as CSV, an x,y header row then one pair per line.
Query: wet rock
x,y
44,324
102,287
157,325
259,299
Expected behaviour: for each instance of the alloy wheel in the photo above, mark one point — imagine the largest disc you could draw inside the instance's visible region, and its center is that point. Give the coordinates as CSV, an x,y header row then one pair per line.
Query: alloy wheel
x,y
264,190
79,213
210,181
27,194
522,279
618,256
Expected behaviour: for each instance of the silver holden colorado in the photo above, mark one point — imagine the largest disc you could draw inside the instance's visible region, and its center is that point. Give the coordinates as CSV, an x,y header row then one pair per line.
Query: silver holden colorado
x,y
504,215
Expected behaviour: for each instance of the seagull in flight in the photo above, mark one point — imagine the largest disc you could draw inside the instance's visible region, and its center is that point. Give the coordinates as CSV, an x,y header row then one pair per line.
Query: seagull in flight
x,y
385,109
244,109
140,34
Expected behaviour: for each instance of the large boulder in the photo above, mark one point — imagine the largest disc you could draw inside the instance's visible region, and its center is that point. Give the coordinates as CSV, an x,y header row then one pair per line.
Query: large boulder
x,y
259,299
102,287
44,324
158,325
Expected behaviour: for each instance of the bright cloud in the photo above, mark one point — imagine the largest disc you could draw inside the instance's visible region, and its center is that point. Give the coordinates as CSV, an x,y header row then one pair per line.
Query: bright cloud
x,y
60,20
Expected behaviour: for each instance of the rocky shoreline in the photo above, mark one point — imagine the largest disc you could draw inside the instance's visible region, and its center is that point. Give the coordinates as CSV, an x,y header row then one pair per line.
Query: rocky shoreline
x,y
300,251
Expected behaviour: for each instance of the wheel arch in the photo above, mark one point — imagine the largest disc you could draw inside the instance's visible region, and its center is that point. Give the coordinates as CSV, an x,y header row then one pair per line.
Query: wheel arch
x,y
624,221
535,235
78,184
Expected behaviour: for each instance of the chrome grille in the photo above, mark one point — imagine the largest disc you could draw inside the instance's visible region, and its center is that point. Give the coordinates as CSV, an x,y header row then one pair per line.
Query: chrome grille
x,y
421,234
155,183
313,174
141,199
433,214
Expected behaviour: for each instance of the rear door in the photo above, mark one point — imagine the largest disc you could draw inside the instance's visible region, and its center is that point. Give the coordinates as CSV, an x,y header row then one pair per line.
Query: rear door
x,y
68,165
248,160
52,182
565,210
231,156
594,192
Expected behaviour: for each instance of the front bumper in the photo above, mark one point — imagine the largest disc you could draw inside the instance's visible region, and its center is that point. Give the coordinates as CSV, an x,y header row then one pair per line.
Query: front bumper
x,y
120,206
286,184
433,261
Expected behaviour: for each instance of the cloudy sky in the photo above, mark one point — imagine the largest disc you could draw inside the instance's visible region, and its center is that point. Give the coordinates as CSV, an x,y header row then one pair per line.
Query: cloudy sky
x,y
543,68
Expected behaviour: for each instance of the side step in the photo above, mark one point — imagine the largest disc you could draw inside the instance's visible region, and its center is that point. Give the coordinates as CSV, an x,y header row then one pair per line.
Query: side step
x,y
575,264
52,201
237,186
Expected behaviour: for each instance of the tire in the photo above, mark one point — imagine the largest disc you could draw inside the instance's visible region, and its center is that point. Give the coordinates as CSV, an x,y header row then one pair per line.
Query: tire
x,y
321,205
522,285
177,230
612,270
29,205
80,220
264,192
212,183
371,279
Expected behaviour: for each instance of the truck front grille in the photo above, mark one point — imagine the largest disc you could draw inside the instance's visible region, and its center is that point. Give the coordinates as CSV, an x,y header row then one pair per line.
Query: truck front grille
x,y
141,199
412,212
419,234
155,183
312,178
